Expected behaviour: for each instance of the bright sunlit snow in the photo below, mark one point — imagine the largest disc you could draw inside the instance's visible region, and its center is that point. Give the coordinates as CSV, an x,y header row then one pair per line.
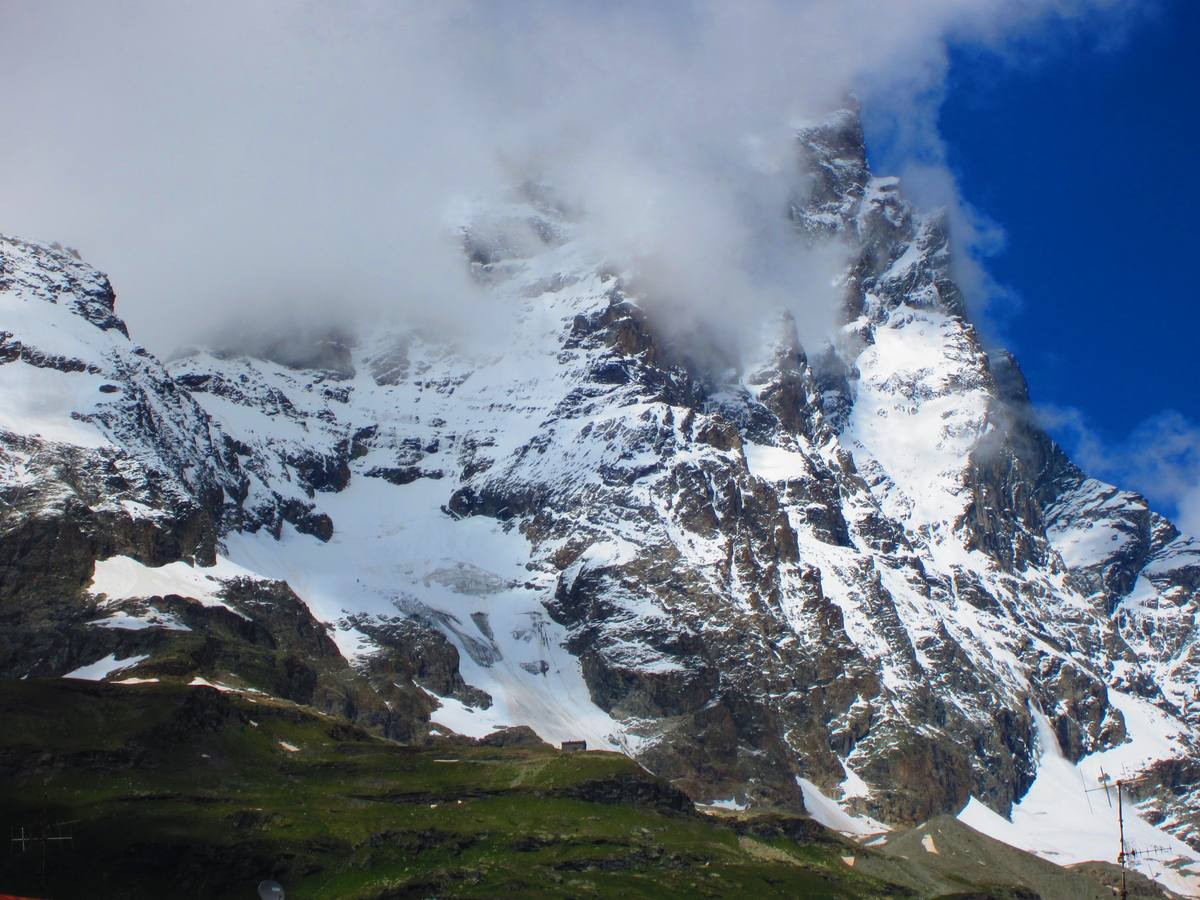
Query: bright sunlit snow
x,y
102,668
1059,821
830,814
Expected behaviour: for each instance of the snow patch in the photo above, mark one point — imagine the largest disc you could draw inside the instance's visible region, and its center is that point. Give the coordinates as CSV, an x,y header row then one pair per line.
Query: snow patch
x,y
124,578
830,814
774,463
853,786
1058,821
102,668
128,622
732,804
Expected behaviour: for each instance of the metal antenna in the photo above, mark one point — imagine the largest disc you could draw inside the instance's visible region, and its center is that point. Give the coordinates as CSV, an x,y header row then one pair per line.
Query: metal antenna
x,y
1125,853
56,835
1121,855
1105,784
1136,855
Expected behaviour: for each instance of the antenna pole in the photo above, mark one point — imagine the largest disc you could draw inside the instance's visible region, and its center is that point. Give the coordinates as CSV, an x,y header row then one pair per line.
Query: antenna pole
x,y
1121,825
1126,853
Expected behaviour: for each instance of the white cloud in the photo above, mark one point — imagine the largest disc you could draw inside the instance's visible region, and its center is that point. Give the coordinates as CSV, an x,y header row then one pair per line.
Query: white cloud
x,y
223,158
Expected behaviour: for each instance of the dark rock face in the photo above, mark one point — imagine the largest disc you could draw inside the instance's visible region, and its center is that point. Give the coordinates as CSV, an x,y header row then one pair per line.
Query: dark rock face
x,y
517,736
633,790
411,651
66,505
46,561
153,482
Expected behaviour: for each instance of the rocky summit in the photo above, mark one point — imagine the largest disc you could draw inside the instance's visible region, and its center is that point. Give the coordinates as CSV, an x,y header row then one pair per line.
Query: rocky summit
x,y
855,579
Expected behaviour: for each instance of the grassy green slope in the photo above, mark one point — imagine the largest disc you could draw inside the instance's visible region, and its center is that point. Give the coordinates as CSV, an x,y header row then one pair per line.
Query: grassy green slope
x,y
176,791
188,792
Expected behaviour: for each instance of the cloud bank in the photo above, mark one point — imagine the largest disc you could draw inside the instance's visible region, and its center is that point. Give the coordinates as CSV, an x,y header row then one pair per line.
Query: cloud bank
x,y
254,160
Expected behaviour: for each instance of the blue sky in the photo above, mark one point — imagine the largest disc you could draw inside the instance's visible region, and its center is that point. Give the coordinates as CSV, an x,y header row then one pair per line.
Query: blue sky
x,y
1083,151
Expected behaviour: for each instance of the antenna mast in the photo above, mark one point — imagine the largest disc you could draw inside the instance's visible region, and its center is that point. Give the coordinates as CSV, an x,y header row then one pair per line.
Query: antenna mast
x,y
1124,853
1121,825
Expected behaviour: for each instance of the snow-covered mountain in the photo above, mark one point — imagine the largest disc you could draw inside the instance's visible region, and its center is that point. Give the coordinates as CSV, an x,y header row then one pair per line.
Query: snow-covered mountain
x,y
859,579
